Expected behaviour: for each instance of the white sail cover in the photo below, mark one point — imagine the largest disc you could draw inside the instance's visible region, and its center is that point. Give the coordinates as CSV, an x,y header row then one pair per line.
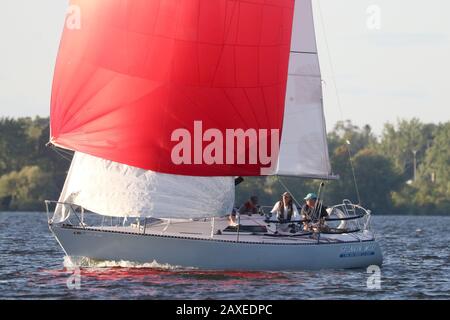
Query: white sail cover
x,y
118,190
303,149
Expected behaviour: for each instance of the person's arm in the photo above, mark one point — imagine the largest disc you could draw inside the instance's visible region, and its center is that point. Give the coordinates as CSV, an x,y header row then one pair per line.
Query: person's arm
x,y
274,210
304,213
304,216
241,210
296,214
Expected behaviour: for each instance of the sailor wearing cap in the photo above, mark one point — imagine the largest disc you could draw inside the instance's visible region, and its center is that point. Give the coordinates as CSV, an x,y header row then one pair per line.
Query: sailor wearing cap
x,y
313,209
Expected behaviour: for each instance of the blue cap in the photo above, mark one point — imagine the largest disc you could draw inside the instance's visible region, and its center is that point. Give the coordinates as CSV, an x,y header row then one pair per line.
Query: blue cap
x,y
311,196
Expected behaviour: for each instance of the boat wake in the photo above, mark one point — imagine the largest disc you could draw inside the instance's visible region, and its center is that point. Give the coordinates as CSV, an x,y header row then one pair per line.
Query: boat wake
x,y
114,270
84,262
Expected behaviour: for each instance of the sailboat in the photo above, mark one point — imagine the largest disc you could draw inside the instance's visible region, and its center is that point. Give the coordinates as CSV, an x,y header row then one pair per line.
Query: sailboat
x,y
165,103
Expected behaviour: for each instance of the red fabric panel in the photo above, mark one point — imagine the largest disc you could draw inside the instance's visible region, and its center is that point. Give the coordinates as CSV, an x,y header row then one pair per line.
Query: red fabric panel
x,y
136,70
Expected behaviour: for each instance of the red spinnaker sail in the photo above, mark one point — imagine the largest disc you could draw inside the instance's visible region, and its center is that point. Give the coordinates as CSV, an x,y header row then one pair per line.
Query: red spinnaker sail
x,y
130,72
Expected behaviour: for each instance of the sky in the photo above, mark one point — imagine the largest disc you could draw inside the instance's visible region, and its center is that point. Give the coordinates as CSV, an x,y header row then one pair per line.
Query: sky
x,y
381,60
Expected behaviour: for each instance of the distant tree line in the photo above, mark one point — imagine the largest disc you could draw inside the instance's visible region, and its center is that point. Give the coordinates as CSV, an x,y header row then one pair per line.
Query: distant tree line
x,y
404,171
383,166
29,171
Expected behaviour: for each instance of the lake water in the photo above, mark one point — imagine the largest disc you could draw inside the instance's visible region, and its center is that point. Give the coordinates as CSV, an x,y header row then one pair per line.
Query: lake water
x,y
416,266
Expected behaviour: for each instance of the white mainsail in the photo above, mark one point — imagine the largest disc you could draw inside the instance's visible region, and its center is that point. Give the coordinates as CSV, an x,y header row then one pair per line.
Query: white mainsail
x,y
114,189
303,148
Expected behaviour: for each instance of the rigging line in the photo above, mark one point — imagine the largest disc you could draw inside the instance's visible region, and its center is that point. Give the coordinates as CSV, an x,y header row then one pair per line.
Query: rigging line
x,y
333,78
62,153
353,172
318,204
66,152
286,188
320,200
303,52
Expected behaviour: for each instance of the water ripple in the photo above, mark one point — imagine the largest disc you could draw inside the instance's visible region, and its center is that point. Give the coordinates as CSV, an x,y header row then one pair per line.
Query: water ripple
x,y
32,266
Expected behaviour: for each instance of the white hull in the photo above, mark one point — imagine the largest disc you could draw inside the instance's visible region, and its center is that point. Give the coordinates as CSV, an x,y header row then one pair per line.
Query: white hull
x,y
219,252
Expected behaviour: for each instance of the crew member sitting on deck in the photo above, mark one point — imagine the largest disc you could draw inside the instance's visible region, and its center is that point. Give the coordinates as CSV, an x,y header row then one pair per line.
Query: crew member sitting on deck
x,y
285,210
249,207
314,211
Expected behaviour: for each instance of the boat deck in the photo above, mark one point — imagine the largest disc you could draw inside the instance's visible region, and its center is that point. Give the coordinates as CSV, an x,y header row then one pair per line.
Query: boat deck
x,y
218,229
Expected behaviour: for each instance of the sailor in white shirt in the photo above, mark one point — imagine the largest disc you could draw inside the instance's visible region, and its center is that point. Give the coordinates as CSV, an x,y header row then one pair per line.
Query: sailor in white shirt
x,y
285,210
